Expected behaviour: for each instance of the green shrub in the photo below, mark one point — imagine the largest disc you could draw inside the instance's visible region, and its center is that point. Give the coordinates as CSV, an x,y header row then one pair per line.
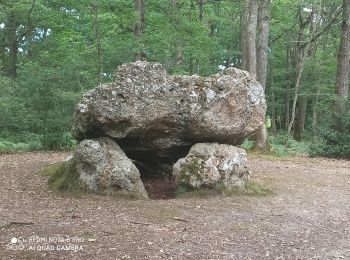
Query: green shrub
x,y
336,137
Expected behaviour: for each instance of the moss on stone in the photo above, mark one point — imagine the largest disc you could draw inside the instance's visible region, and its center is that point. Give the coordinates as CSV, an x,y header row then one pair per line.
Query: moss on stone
x,y
66,178
63,177
193,167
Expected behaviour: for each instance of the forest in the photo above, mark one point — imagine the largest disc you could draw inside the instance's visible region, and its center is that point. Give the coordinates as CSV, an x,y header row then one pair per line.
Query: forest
x,y
112,146
51,52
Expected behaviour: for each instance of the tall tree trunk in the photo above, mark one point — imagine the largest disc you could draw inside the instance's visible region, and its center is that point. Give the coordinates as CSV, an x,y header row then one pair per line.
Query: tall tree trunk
x,y
287,89
96,26
2,48
201,9
302,51
299,70
262,51
250,43
315,114
343,66
243,36
263,40
273,101
302,115
300,118
273,112
178,41
139,27
13,47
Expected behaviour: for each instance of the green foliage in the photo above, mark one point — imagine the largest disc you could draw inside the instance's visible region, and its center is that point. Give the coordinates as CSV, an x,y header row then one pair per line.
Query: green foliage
x,y
248,144
335,136
251,188
277,145
293,148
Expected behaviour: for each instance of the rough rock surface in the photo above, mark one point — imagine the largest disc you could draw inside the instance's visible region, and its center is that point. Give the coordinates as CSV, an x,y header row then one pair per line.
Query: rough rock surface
x,y
154,115
103,166
210,164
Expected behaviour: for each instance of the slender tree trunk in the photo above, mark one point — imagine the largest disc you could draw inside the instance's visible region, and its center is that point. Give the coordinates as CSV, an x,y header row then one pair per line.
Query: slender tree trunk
x,y
302,51
139,27
262,51
273,101
96,26
263,40
343,66
178,42
315,113
243,36
2,48
179,53
13,47
303,112
300,118
299,69
273,112
250,43
287,90
201,9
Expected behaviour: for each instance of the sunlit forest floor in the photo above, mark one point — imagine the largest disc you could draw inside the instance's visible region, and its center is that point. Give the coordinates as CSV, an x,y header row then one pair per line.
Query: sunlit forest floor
x,y
306,216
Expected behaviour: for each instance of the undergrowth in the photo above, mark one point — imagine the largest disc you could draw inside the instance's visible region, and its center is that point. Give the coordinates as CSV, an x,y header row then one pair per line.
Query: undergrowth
x,y
279,146
251,188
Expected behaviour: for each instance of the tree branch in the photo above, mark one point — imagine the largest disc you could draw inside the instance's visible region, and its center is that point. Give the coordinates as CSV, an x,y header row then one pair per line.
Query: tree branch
x,y
326,27
30,22
283,33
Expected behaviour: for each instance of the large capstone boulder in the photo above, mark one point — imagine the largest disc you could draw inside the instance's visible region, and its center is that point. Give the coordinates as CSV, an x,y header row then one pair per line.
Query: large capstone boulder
x,y
103,166
156,118
212,165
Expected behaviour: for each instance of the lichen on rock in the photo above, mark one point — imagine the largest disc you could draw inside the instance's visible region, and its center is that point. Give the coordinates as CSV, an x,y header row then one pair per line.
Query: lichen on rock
x,y
210,164
103,166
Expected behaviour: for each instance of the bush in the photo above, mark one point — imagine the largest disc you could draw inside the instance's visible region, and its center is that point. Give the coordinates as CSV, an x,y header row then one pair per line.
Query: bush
x,y
276,145
336,137
294,147
58,141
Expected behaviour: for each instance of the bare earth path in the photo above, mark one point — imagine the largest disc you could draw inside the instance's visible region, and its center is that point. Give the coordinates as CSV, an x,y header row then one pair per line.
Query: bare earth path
x,y
308,217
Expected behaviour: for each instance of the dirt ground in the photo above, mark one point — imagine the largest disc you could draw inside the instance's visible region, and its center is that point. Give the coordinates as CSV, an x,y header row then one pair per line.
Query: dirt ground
x,y
307,217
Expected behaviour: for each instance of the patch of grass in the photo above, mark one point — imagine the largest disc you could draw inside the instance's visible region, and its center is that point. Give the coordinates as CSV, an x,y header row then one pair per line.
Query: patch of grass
x,y
49,170
63,177
251,188
182,192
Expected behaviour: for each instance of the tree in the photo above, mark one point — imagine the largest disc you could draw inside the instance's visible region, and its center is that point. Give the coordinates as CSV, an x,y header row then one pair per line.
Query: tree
x,y
18,26
303,47
343,65
95,6
250,37
262,52
139,27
